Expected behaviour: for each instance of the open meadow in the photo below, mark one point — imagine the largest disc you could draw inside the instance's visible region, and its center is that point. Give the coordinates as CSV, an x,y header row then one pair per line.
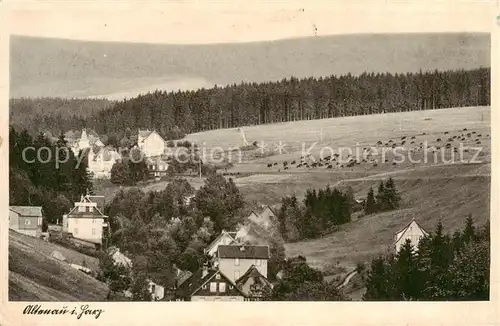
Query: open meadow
x,y
439,188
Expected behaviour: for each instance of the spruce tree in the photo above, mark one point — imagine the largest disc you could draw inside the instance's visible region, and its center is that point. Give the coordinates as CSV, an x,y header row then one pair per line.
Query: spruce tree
x,y
380,197
469,231
391,195
370,205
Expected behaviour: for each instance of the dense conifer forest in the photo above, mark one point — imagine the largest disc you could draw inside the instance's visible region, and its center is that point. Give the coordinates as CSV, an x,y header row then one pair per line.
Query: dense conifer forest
x,y
244,104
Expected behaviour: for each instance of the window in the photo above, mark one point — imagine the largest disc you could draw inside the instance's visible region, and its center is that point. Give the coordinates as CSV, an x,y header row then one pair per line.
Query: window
x,y
204,287
236,262
217,276
81,209
257,262
213,287
222,287
236,275
230,287
39,221
93,231
75,231
27,222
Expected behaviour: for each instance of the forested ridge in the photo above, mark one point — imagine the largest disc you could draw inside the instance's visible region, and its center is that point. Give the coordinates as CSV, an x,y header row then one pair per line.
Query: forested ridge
x,y
244,104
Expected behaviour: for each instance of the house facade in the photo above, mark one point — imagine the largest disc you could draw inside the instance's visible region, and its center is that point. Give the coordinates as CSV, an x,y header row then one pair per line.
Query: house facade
x,y
209,284
253,284
157,167
150,143
26,219
86,222
412,231
101,161
236,260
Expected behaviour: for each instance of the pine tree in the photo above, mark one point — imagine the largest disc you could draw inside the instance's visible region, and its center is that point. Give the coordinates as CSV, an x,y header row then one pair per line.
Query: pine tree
x,y
370,205
376,283
391,196
380,197
469,230
407,281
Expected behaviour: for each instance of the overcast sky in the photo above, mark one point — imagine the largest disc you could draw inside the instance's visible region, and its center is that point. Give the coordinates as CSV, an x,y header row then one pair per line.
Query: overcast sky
x,y
245,21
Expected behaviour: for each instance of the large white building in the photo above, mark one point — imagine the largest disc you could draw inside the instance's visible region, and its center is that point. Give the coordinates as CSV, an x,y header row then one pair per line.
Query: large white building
x,y
150,143
85,221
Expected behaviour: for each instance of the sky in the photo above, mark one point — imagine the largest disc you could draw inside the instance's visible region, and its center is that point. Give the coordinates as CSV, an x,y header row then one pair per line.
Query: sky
x,y
202,22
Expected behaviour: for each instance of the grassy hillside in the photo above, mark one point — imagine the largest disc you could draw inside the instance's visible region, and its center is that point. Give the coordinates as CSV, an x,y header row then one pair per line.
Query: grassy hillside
x,y
35,276
54,67
446,193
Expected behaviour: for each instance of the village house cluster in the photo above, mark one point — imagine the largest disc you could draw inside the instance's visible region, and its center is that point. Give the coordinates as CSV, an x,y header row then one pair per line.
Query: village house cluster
x,y
101,158
235,271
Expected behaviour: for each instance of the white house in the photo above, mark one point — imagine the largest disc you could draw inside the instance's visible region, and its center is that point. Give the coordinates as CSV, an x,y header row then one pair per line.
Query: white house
x,y
101,161
411,231
85,141
235,260
26,220
86,221
225,238
150,143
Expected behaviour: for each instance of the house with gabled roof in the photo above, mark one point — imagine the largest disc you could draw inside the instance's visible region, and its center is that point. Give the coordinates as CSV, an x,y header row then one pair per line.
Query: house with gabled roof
x,y
150,143
26,219
235,260
86,222
253,283
411,231
265,218
209,284
224,238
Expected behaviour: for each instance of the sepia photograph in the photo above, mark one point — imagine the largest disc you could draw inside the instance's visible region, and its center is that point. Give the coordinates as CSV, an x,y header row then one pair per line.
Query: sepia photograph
x,y
337,167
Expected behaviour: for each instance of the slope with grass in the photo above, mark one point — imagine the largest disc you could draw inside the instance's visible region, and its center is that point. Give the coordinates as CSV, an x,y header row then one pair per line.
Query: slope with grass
x,y
446,193
35,276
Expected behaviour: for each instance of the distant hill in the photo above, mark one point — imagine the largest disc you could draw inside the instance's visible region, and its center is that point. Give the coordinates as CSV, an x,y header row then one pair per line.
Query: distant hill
x,y
65,68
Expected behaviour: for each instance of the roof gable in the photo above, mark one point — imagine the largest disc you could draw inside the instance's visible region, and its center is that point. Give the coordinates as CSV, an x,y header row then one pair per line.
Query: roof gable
x,y
403,231
219,238
252,272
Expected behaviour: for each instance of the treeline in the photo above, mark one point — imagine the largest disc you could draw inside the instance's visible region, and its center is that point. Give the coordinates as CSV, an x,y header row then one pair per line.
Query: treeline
x,y
39,179
447,267
53,113
174,113
319,212
386,199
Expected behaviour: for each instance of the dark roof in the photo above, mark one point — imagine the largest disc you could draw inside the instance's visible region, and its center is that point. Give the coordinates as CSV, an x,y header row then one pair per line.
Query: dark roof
x,y
96,213
243,251
196,281
27,210
251,272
